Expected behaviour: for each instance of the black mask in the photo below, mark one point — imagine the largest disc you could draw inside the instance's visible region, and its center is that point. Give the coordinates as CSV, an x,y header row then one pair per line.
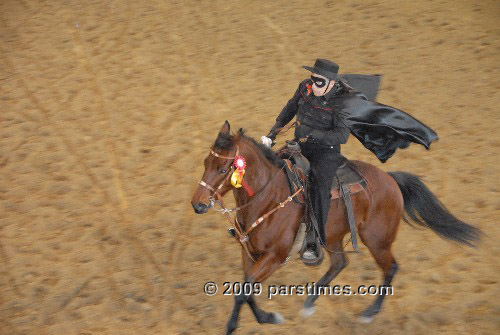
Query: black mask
x,y
319,82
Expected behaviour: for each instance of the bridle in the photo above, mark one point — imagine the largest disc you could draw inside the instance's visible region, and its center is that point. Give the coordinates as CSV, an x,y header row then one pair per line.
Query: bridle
x,y
215,190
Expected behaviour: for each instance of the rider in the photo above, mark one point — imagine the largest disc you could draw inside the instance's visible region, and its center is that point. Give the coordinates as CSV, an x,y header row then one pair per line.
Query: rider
x,y
320,132
328,108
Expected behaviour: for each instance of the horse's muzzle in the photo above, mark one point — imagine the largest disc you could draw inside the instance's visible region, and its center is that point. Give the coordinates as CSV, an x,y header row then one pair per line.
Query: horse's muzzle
x,y
200,208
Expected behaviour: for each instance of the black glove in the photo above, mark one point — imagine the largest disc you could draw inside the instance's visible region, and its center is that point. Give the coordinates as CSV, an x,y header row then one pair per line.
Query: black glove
x,y
271,135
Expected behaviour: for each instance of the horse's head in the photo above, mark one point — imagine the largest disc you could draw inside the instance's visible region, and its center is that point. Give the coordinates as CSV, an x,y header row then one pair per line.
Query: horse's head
x,y
218,170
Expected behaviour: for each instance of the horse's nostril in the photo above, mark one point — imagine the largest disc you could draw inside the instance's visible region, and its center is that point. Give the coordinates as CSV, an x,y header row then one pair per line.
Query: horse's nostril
x,y
200,208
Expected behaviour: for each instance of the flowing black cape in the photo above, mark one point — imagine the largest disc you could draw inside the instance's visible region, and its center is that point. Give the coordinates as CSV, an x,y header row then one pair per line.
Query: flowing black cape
x,y
380,128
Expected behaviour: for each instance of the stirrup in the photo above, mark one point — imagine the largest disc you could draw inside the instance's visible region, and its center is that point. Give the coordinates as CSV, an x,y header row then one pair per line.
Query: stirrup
x,y
312,257
310,254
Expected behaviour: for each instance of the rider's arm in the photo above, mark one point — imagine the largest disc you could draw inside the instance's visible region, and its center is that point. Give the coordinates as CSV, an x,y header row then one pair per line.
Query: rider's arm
x,y
288,112
338,135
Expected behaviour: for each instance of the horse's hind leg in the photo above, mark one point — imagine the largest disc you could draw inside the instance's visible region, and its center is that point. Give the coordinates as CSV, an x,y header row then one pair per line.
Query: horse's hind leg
x,y
338,261
378,237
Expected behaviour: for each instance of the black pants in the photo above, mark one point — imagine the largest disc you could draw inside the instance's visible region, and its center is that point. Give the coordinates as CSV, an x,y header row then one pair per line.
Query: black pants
x,y
324,163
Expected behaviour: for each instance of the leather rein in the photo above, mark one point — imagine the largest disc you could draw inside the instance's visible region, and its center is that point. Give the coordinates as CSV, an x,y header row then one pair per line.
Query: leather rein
x,y
242,236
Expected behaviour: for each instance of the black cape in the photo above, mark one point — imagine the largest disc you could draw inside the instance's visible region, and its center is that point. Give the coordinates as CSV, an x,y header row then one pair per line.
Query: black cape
x,y
380,128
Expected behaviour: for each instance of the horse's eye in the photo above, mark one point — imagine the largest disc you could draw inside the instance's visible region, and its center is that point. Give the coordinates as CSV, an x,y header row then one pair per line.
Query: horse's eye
x,y
222,170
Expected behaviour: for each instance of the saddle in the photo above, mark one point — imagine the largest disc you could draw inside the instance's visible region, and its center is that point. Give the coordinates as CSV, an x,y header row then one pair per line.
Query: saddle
x,y
347,181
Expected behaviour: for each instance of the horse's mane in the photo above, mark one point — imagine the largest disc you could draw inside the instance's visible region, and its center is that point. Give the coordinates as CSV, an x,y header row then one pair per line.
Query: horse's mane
x,y
225,142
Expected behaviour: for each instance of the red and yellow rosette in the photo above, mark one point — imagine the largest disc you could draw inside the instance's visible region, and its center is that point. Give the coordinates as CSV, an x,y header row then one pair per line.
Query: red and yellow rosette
x,y
237,178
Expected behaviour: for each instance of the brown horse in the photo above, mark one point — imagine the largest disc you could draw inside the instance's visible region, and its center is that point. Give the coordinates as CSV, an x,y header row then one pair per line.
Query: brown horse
x,y
378,210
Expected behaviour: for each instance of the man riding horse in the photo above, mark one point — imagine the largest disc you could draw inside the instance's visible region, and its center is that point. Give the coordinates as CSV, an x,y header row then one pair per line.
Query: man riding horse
x,y
267,217
327,110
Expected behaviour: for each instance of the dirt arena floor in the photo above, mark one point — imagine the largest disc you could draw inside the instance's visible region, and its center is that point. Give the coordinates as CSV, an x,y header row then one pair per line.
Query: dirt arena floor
x,y
107,109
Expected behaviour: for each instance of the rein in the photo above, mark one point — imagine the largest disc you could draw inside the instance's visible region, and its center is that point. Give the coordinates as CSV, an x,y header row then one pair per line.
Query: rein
x,y
242,236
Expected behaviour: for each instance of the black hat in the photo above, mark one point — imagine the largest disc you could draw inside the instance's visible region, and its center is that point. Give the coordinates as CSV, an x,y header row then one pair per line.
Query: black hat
x,y
324,67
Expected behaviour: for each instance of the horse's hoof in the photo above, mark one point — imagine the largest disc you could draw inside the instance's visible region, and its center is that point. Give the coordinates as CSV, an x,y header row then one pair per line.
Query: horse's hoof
x,y
278,318
308,311
365,319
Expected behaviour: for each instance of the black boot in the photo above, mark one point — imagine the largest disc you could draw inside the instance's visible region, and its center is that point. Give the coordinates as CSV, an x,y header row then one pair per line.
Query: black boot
x,y
312,252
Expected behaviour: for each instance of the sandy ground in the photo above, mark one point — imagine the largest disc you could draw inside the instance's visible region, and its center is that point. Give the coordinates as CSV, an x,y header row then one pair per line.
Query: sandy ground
x,y
107,109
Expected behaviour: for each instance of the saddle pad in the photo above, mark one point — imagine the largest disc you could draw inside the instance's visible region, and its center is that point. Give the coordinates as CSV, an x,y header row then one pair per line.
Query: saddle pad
x,y
353,188
296,180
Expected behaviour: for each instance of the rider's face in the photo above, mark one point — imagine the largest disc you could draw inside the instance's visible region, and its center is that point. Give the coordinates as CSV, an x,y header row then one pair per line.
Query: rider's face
x,y
319,86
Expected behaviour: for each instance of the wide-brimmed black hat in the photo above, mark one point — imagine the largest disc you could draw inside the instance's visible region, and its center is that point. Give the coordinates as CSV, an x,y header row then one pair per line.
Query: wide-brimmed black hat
x,y
324,67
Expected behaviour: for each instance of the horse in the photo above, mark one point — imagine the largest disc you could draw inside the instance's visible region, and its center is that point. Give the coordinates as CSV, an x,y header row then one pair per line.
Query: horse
x,y
378,209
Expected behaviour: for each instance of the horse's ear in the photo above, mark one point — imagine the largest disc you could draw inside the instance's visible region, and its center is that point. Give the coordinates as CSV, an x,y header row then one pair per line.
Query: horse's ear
x,y
225,128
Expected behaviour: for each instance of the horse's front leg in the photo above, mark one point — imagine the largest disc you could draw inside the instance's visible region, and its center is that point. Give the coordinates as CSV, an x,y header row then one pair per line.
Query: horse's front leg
x,y
257,272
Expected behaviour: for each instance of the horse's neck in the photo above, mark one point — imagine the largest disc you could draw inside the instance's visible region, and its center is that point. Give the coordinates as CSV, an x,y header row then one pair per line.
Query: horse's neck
x,y
261,176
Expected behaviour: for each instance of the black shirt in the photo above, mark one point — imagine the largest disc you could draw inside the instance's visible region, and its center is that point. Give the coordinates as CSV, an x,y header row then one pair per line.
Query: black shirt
x,y
318,118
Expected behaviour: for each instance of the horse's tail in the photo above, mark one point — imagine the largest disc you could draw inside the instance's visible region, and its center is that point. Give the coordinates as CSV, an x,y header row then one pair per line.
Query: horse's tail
x,y
423,208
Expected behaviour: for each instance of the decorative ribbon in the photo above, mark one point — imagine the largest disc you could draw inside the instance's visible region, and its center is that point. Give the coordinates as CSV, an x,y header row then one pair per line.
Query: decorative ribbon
x,y
237,177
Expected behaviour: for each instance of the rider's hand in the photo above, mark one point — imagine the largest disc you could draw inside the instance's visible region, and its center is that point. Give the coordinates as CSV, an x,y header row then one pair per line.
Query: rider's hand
x,y
271,135
268,142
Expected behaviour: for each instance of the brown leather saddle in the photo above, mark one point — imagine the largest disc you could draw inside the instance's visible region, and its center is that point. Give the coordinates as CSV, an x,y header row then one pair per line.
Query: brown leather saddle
x,y
297,164
347,175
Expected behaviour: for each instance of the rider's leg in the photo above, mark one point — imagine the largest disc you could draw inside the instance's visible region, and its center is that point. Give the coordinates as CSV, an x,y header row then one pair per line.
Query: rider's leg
x,y
323,170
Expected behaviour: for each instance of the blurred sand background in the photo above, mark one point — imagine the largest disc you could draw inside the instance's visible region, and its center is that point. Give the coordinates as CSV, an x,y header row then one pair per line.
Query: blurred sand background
x,y
107,109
